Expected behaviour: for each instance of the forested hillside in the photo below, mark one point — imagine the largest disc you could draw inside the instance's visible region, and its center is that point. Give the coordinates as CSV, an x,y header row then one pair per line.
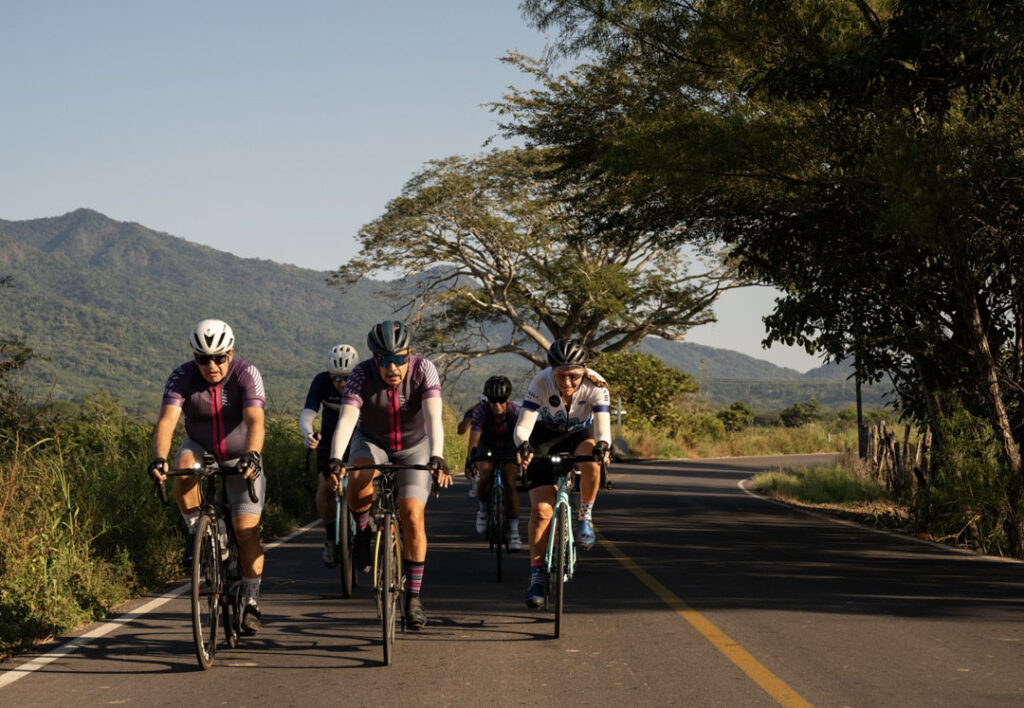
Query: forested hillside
x,y
109,305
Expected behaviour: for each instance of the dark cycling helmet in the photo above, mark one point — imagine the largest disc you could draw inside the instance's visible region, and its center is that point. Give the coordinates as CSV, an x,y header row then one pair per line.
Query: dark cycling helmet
x,y
498,388
388,337
567,352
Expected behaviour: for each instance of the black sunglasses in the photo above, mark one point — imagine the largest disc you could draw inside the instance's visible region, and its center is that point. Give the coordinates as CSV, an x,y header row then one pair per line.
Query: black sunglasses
x,y
497,400
383,360
338,379
204,359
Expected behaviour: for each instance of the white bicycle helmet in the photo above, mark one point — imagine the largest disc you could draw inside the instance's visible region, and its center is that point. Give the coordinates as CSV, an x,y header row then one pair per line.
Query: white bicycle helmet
x,y
341,360
212,337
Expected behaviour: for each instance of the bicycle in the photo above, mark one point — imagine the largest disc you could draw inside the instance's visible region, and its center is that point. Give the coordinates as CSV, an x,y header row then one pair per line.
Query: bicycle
x,y
498,528
560,557
215,580
387,569
344,536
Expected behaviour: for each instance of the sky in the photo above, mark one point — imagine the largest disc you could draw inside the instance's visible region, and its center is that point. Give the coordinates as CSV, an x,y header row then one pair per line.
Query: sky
x,y
267,129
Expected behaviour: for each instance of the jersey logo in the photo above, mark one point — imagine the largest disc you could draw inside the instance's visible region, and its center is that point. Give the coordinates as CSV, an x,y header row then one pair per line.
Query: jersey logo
x,y
555,401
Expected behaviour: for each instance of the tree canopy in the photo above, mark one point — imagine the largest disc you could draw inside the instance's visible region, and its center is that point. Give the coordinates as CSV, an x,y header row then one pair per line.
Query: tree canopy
x,y
864,156
493,256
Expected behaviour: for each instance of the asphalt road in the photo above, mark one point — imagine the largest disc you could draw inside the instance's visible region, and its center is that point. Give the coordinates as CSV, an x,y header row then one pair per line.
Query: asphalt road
x,y
698,594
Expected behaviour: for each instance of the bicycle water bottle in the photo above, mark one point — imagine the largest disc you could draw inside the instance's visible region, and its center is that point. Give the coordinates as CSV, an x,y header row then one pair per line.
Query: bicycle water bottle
x,y
222,533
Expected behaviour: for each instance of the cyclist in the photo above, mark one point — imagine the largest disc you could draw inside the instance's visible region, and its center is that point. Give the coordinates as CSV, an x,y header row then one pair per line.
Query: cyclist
x,y
461,429
491,431
566,410
391,412
223,399
325,390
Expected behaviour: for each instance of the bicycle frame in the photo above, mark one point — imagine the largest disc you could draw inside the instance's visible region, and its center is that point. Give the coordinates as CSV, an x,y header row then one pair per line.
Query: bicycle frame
x,y
566,479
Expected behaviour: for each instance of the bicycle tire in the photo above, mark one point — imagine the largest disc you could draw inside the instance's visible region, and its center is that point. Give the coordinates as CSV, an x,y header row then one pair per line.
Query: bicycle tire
x,y
561,549
388,547
498,523
206,586
231,601
344,541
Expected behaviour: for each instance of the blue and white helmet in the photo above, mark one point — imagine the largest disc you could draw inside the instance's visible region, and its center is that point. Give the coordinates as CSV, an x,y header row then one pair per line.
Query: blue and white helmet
x,y
212,337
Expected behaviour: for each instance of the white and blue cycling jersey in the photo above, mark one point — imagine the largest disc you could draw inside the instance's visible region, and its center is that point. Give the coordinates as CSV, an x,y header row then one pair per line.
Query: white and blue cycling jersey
x,y
543,405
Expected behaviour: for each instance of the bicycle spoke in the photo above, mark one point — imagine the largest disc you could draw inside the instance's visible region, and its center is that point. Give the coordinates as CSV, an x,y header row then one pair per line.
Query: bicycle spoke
x,y
206,586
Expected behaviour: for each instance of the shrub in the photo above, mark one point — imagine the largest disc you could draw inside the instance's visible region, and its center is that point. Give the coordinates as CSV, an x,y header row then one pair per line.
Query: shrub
x,y
801,413
736,417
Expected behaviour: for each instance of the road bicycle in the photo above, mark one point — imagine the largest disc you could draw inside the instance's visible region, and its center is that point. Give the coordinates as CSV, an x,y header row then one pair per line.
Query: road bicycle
x,y
560,557
497,511
215,580
344,535
388,570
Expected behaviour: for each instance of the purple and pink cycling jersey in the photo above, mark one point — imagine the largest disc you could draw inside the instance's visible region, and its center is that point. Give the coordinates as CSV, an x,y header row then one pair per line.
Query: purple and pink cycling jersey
x,y
495,434
397,410
213,412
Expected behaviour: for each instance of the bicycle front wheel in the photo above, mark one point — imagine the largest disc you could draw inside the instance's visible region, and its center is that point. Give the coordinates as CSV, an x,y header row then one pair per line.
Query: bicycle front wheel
x,y
207,586
389,582
499,533
561,552
343,519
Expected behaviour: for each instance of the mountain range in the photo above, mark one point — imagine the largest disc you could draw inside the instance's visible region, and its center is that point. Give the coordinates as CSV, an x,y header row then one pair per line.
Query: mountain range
x,y
108,306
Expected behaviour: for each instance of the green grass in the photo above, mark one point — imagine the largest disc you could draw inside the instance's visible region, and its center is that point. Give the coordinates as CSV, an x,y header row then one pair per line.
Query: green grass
x,y
756,440
828,484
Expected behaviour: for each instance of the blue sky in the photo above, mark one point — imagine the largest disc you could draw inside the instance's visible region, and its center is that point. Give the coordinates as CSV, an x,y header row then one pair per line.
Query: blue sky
x,y
267,129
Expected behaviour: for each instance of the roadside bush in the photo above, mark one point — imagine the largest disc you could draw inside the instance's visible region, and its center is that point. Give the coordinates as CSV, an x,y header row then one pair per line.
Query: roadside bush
x,y
650,390
966,502
828,484
736,417
801,413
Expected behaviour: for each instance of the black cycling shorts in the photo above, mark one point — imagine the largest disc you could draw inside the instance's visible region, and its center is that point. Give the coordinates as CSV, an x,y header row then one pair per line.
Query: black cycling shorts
x,y
550,442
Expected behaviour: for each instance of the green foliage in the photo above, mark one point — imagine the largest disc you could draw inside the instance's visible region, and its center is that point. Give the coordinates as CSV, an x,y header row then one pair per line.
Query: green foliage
x,y
800,413
736,417
650,390
966,500
829,484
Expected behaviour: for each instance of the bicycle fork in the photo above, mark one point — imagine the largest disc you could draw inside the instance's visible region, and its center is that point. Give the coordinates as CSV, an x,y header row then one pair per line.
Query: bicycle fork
x,y
561,501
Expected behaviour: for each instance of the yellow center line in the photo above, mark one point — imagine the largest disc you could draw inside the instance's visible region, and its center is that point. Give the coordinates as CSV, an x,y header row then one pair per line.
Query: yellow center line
x,y
769,682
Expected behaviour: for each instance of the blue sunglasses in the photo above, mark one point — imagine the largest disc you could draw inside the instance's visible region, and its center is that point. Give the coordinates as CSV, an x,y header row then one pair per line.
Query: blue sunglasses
x,y
385,360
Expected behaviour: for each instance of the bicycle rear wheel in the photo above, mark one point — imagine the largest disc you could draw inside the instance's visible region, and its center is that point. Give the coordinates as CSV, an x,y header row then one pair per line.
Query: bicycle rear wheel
x,y
343,521
390,573
207,585
498,524
561,550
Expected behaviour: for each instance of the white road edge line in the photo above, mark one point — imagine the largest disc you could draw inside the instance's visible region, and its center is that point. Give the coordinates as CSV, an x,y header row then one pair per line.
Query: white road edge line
x,y
72,645
886,532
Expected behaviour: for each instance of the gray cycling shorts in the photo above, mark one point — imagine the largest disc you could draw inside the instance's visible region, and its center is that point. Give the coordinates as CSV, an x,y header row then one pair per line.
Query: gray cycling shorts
x,y
412,484
235,485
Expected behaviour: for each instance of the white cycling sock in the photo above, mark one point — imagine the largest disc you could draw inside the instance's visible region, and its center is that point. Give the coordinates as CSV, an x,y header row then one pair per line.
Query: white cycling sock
x,y
251,590
191,520
585,510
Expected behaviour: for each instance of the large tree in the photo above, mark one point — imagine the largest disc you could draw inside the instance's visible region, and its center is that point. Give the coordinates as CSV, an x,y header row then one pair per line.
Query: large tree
x,y
865,156
491,256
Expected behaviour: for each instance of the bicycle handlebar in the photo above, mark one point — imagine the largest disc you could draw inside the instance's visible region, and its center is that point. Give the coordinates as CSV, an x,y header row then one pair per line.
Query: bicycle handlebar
x,y
435,489
204,469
